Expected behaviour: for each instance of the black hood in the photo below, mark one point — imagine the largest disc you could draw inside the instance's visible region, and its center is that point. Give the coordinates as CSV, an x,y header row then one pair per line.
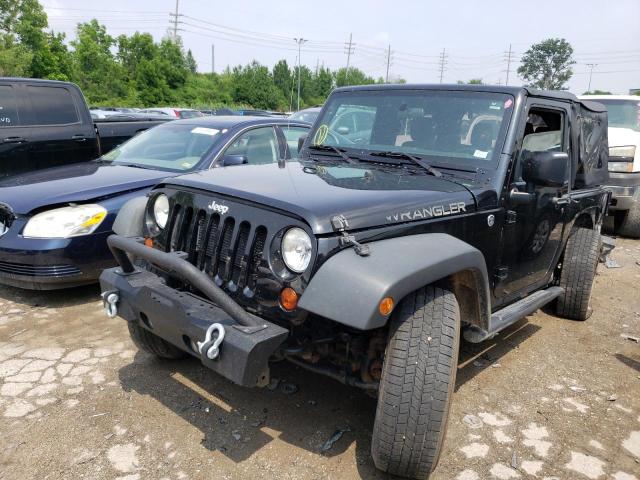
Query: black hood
x,y
365,194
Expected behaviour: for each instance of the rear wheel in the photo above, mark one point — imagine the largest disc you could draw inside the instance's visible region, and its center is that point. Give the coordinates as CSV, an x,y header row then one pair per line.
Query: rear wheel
x,y
417,382
150,343
578,272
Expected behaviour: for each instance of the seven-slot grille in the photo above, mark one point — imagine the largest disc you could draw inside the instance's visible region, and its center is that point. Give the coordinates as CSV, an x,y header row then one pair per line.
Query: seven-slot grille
x,y
227,249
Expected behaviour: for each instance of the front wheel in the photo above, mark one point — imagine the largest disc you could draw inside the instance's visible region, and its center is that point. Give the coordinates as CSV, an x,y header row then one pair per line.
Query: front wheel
x,y
630,225
150,343
417,382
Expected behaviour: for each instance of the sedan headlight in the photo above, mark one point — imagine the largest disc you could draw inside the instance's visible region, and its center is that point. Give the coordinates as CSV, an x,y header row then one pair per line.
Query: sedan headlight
x,y
65,222
296,249
161,210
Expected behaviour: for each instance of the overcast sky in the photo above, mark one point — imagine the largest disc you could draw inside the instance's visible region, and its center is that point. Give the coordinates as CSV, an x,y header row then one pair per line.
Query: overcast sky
x,y
475,34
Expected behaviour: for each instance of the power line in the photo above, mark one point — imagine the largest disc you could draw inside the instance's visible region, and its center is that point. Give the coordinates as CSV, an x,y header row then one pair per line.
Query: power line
x,y
176,16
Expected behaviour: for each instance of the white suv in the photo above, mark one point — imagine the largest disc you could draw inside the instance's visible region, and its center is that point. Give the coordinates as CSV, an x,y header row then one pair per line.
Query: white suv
x,y
624,160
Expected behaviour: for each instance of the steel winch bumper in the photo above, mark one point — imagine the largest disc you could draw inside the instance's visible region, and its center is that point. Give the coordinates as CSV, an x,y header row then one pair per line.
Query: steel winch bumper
x,y
244,341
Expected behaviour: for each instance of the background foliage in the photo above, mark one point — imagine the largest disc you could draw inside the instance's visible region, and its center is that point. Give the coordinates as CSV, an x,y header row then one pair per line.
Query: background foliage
x,y
139,72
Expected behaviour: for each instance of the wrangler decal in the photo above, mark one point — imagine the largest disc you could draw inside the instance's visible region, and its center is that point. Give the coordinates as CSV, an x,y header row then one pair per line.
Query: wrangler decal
x,y
428,212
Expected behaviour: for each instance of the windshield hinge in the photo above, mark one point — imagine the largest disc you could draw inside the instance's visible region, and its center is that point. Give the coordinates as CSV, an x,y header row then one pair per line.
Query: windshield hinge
x,y
361,249
340,224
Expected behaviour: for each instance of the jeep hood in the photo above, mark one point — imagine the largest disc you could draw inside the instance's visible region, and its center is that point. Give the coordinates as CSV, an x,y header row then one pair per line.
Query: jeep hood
x,y
80,182
367,196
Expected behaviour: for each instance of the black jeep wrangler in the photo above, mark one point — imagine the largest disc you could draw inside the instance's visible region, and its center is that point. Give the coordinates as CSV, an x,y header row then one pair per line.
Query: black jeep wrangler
x,y
414,216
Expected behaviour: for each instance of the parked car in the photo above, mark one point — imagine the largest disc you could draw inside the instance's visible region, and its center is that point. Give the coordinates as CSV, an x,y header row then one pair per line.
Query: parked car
x,y
367,262
306,115
175,112
254,113
54,223
217,111
624,161
45,123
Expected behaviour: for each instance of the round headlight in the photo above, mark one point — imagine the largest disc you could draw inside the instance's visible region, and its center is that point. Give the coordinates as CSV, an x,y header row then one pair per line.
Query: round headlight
x,y
296,249
161,210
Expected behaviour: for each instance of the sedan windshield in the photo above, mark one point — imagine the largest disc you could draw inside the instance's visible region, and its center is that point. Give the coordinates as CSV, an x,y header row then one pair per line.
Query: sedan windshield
x,y
623,113
465,128
173,147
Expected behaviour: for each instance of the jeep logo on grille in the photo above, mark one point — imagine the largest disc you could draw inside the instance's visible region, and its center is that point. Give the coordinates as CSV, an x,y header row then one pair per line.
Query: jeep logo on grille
x,y
216,207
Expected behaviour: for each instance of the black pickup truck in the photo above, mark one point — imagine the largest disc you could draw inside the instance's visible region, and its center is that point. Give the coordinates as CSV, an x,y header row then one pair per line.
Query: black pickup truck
x,y
460,211
46,123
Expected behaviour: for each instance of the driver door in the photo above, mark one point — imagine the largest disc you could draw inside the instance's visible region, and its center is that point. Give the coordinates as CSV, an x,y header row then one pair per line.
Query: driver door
x,y
534,222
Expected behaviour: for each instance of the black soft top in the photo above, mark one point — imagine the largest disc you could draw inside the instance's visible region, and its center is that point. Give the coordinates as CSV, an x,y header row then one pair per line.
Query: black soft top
x,y
561,95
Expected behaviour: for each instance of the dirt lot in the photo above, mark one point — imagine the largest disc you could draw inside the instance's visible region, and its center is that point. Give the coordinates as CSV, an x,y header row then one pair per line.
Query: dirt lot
x,y
549,398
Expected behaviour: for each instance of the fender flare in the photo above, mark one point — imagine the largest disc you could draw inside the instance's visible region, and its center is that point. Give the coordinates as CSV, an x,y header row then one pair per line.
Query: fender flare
x,y
347,288
130,219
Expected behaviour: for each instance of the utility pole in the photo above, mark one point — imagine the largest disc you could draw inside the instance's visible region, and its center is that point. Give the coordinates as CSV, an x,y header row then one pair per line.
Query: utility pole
x,y
388,63
317,65
509,53
299,41
175,20
591,66
350,48
443,63
213,59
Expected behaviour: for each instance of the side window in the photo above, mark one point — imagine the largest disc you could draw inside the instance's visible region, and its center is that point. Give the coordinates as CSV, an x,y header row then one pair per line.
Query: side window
x,y
8,107
292,134
544,131
50,106
259,145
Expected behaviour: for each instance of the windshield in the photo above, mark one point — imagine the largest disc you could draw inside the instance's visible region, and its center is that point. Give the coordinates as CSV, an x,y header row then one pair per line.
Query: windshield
x,y
459,127
623,113
173,147
306,115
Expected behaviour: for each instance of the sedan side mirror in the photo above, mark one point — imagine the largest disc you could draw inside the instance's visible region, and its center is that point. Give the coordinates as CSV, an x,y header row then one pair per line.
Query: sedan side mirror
x,y
548,169
301,141
229,160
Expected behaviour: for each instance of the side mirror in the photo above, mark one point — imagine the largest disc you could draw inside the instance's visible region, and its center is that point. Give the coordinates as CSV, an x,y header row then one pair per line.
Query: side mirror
x,y
342,130
301,141
548,169
230,160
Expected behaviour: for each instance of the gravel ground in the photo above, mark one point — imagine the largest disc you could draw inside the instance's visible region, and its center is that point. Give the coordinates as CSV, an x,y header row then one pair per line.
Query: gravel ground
x,y
549,398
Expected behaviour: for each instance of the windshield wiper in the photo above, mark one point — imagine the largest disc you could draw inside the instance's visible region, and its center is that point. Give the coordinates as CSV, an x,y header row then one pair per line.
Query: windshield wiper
x,y
133,165
331,148
417,160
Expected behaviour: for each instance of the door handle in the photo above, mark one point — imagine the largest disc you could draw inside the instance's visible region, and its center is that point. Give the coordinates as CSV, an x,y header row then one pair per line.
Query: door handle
x,y
79,138
14,140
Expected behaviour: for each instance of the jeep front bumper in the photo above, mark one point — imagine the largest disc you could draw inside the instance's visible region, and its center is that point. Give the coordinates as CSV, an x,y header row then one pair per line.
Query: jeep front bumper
x,y
183,319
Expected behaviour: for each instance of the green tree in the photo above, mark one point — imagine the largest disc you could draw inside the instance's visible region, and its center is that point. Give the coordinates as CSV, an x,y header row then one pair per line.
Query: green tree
x,y
190,62
547,65
253,85
597,92
95,68
283,78
355,76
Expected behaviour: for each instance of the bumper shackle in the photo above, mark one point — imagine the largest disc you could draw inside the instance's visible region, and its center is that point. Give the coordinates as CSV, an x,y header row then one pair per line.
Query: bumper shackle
x,y
211,347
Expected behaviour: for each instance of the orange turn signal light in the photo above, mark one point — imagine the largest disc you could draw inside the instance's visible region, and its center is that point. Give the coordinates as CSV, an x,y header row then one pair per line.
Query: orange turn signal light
x,y
148,242
386,306
288,299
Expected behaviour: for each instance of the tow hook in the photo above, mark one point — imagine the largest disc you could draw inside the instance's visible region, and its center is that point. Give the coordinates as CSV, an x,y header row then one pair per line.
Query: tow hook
x,y
211,348
110,302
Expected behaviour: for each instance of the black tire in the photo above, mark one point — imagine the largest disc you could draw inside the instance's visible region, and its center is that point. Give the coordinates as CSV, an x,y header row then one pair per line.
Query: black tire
x,y
578,271
630,225
417,382
150,343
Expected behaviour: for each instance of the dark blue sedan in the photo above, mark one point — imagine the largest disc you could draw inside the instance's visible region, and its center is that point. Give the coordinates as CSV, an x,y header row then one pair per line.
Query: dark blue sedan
x,y
54,222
